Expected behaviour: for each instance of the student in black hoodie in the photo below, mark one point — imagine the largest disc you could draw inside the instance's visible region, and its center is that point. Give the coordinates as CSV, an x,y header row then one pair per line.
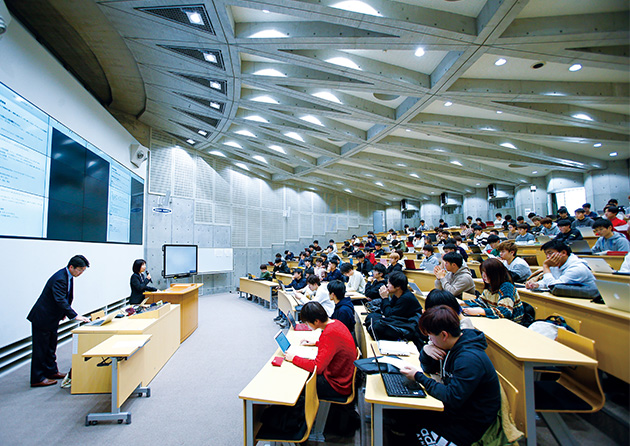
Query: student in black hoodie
x,y
375,282
344,310
397,299
470,387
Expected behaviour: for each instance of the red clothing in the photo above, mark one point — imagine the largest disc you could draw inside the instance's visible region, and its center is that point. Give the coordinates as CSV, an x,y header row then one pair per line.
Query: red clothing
x,y
335,357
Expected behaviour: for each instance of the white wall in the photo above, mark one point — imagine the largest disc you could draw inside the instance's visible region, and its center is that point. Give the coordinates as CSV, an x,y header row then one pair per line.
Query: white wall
x,y
28,69
612,182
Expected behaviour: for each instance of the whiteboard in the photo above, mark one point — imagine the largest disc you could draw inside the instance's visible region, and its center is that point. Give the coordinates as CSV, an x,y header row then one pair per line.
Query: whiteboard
x,y
215,260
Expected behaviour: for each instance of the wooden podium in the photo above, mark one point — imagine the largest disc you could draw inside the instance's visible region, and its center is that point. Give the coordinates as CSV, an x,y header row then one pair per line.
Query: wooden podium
x,y
186,295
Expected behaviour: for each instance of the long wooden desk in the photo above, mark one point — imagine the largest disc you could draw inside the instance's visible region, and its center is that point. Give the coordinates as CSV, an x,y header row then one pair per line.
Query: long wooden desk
x,y
263,289
515,351
186,295
614,261
162,324
284,278
612,277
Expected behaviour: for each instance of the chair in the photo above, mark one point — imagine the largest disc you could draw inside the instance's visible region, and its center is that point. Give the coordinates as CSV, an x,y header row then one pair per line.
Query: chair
x,y
311,404
322,414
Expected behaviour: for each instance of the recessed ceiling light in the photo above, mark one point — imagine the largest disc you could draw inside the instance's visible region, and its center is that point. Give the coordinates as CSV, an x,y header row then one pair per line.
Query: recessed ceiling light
x,y
312,188
260,158
326,95
233,144
294,135
613,153
534,172
265,11
509,145
343,62
265,99
209,57
432,193
356,6
401,164
241,165
245,133
256,118
216,153
500,62
215,85
478,184
269,72
448,104
369,175
523,181
407,130
415,175
191,141
215,105
277,149
597,144
575,67
268,34
202,132
583,116
339,183
194,17
457,163
499,112
419,52
348,190
378,183
311,119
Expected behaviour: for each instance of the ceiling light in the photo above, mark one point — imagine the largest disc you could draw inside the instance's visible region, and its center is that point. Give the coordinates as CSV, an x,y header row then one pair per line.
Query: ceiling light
x,y
348,190
216,153
583,116
448,104
597,144
327,96
241,165
194,17
477,184
215,85
265,11
339,183
202,132
369,175
269,72
613,153
419,52
500,62
245,133
268,34
509,145
401,164
209,57
457,163
344,62
523,181
499,112
432,193
356,6
468,190
233,144
256,118
265,99
415,175
575,67
294,136
312,188
407,130
260,158
534,172
277,149
378,183
191,141
311,119
215,105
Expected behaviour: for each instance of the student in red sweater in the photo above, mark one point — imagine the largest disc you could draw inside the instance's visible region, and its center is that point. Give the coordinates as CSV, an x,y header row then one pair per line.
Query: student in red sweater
x,y
335,355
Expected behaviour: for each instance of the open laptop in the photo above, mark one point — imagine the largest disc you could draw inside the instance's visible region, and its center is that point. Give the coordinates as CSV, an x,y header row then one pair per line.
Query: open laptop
x,y
396,384
415,288
410,264
580,247
542,239
296,326
433,237
599,265
616,295
106,320
474,248
586,231
301,351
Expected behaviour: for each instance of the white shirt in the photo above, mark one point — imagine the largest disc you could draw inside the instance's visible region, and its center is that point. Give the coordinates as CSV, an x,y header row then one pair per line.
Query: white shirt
x,y
520,267
498,222
356,282
574,271
625,266
322,296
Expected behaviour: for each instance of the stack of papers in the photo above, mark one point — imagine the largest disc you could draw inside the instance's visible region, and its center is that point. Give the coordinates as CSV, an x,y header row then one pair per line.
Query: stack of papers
x,y
395,348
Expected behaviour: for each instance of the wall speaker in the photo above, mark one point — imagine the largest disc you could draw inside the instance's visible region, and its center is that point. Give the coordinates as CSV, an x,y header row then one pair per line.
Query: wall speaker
x,y
403,205
492,192
444,198
138,154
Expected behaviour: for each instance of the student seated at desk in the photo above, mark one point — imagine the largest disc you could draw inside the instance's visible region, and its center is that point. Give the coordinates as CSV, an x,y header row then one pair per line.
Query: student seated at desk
x,y
454,276
537,227
431,260
397,299
469,389
550,229
480,238
511,232
264,274
393,266
523,236
314,292
320,270
298,282
378,250
356,281
519,269
375,282
344,310
500,298
581,220
308,268
443,297
280,266
336,353
363,266
567,233
562,267
608,240
333,272
493,243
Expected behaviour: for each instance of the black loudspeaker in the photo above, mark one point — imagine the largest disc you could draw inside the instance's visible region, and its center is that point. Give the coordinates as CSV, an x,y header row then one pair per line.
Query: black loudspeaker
x,y
492,191
444,198
403,205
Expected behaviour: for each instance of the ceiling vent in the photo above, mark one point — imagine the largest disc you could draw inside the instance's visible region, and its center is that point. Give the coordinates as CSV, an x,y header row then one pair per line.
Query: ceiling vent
x,y
192,16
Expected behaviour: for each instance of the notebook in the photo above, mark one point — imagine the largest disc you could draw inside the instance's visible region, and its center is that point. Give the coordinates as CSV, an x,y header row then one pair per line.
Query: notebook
x,y
580,247
296,326
301,351
599,265
616,295
398,385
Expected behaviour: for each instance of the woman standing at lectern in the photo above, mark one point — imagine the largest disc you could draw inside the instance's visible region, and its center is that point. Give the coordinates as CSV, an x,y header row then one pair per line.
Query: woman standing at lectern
x,y
139,282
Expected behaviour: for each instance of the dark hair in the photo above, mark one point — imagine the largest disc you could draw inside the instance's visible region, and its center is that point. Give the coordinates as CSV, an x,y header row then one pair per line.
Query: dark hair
x,y
278,254
494,230
278,260
345,268
331,241
78,261
498,214
454,257
379,267
319,259
478,219
313,279
613,201
298,270
338,288
428,248
580,211
450,247
469,217
563,222
421,221
360,255
508,217
531,215
316,241
522,226
334,261
438,319
546,220
464,224
508,245
497,274
493,238
263,266
514,225
477,228
137,264
556,245
563,211
442,297
586,205
398,280
378,243
536,218
520,217
613,209
441,220
602,223
313,311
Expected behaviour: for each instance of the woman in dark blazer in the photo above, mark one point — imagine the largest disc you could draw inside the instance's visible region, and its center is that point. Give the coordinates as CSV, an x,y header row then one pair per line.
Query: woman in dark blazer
x,y
139,282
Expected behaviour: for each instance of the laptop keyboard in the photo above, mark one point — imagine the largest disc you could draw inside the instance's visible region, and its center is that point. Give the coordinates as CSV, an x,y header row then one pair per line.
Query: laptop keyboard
x,y
398,385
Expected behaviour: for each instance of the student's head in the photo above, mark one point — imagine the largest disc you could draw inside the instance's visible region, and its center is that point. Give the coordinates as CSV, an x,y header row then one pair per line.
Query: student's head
x,y
508,217
441,325
318,261
463,226
77,264
477,229
331,242
336,290
278,255
580,214
393,257
307,261
522,228
278,261
428,250
449,247
494,274
333,264
469,219
346,269
313,312
479,221
458,239
379,271
442,297
493,240
422,222
494,232
611,212
512,226
441,220
378,245
138,264
547,222
406,226
397,283
586,207
613,201
263,267
531,215
498,215
286,252
453,261
603,227
564,226
563,212
346,244
556,246
536,220
298,273
315,243
507,250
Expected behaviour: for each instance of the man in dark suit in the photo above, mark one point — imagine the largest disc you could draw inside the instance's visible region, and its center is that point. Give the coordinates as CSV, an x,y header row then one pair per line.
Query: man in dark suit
x,y
51,307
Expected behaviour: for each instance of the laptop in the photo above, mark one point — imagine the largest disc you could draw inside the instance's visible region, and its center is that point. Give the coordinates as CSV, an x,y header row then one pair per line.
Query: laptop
x,y
296,326
106,320
433,237
415,288
301,351
599,265
474,248
616,295
398,385
586,231
580,247
410,264
542,239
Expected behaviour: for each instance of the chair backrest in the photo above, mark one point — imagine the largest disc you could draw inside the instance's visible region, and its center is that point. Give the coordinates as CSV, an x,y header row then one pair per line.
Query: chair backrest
x,y
575,324
311,403
511,394
284,304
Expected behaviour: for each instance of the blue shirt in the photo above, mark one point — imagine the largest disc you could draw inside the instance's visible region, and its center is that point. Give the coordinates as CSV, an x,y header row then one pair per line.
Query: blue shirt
x,y
615,243
525,238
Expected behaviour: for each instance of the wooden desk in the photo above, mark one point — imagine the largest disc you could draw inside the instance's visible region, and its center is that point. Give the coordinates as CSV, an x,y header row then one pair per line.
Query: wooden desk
x,y
612,277
515,351
285,278
162,324
187,297
424,279
614,261
263,289
126,373
292,264
609,328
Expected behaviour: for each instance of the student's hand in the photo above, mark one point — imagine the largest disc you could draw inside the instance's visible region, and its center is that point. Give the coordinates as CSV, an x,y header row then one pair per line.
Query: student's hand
x,y
473,311
439,272
81,318
289,357
434,352
382,291
409,372
553,260
307,343
531,284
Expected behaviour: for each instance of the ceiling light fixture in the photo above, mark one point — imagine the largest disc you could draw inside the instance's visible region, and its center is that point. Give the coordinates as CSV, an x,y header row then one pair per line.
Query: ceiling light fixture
x,y
378,183
326,95
256,118
233,144
407,130
269,72
312,120
265,11
401,164
194,17
215,85
265,99
613,154
294,135
448,104
339,183
268,34
277,149
415,175
582,116
534,172
597,144
202,132
312,188
508,145
343,62
419,52
457,163
575,67
245,133
477,184
369,175
215,105
241,165
192,142
209,57
348,190
499,112
356,6
260,158
500,62
216,153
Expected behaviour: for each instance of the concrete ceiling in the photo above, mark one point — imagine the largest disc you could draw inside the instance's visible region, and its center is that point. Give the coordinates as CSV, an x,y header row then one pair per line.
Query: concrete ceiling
x,y
343,94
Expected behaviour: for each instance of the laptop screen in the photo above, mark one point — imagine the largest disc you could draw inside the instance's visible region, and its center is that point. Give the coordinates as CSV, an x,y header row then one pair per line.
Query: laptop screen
x,y
282,341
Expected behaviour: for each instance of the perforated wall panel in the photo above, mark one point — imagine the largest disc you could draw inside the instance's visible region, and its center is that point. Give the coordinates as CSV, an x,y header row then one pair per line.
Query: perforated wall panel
x,y
306,201
306,225
273,225
222,181
222,213
183,173
342,222
160,168
239,188
253,189
331,223
254,228
204,178
203,211
239,227
292,226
